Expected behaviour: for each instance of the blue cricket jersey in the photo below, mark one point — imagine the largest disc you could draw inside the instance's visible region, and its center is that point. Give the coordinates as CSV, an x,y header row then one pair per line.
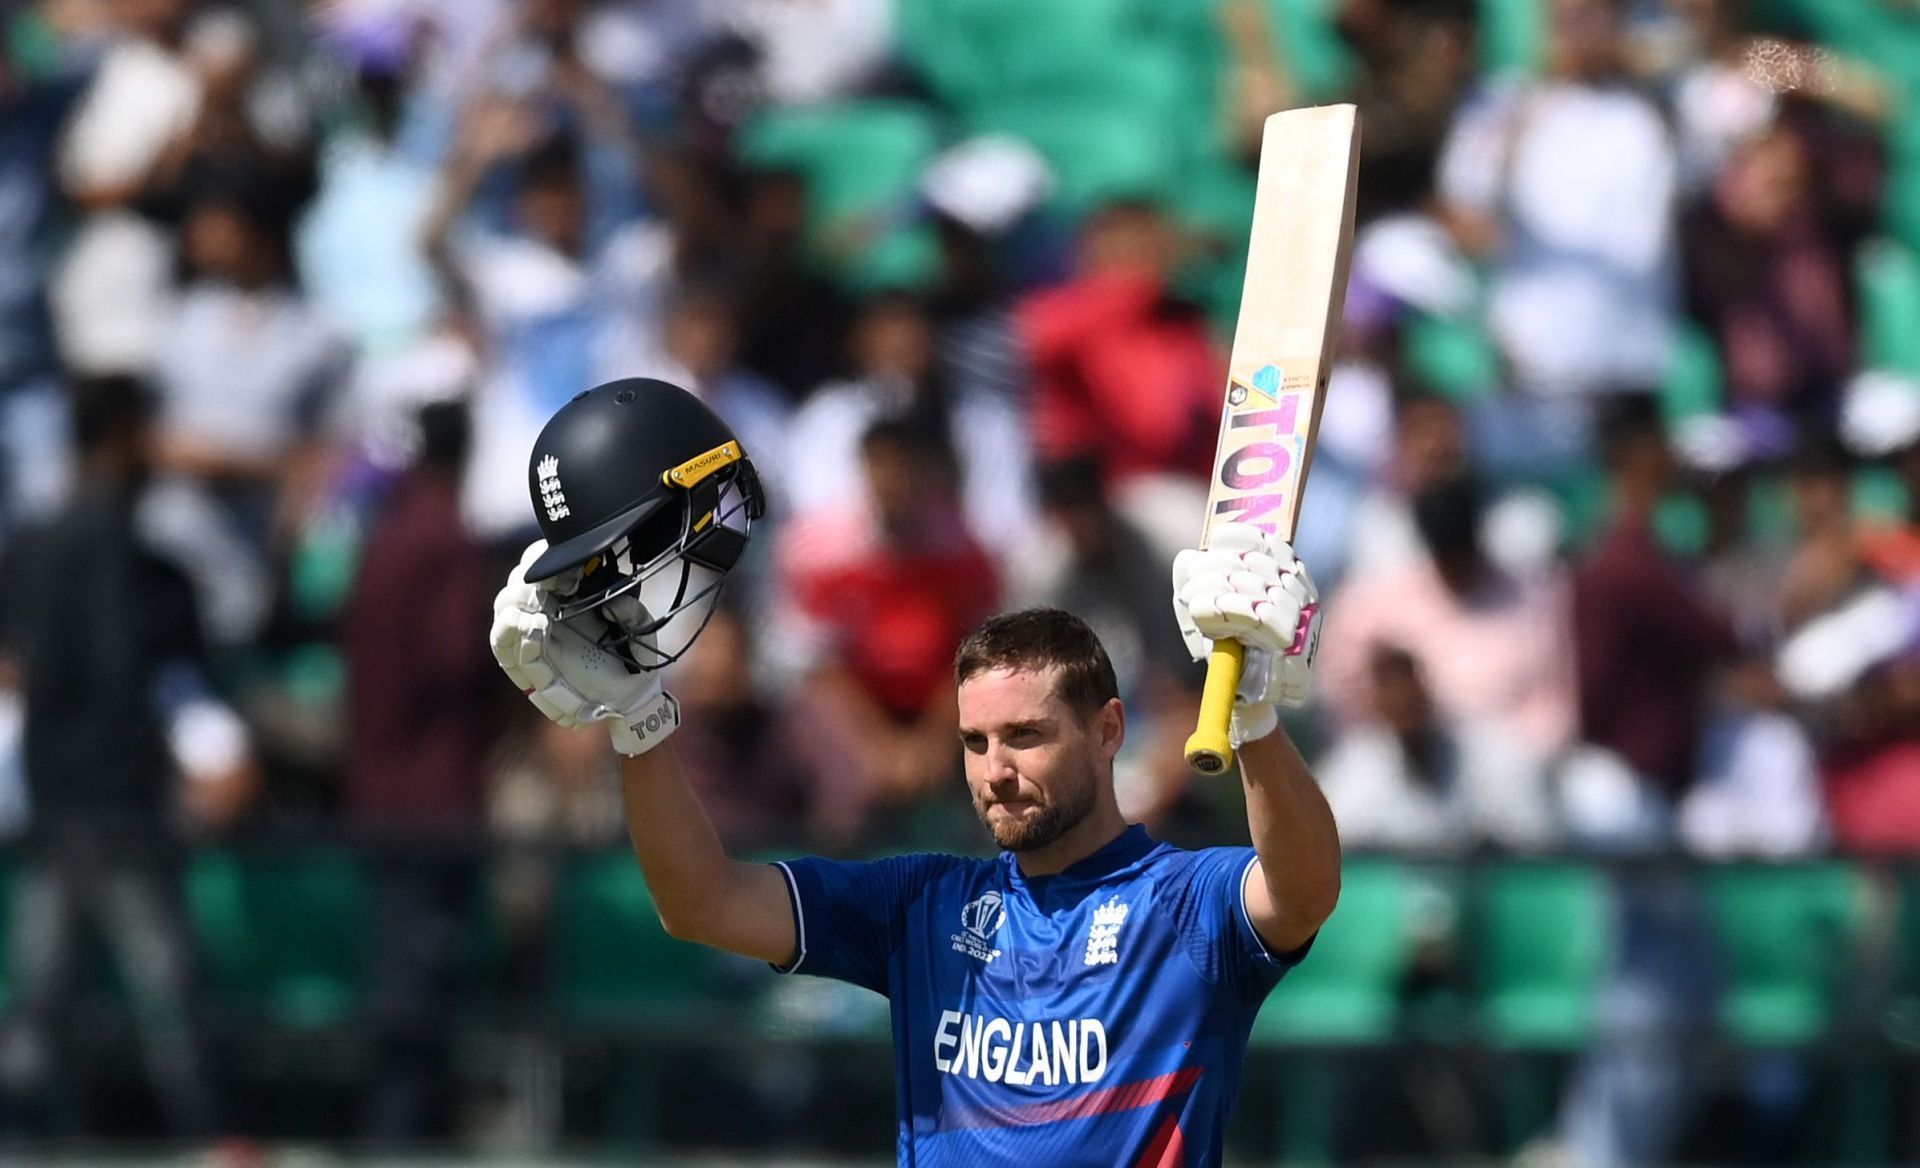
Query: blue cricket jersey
x,y
1097,1017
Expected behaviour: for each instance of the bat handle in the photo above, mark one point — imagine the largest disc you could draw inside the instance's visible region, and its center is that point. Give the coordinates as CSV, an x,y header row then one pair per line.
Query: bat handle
x,y
1209,750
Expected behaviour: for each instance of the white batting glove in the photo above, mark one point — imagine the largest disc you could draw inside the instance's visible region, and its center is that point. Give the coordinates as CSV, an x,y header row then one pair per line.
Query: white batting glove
x,y
1249,587
568,677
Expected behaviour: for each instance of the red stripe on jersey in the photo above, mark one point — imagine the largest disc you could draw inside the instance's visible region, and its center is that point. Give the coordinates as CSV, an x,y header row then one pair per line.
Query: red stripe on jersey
x,y
1105,1101
1167,1149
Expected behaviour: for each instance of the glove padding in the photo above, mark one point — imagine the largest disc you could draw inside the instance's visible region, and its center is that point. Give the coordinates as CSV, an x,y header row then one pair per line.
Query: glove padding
x,y
1249,587
566,675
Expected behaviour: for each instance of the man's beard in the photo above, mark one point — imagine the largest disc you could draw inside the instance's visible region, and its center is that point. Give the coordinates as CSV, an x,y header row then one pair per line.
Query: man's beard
x,y
1053,820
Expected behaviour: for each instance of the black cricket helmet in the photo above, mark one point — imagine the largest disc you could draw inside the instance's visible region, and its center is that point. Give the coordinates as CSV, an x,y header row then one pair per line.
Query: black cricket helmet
x,y
646,500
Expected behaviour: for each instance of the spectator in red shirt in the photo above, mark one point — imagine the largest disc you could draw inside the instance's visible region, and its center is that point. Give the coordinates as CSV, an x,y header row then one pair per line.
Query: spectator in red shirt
x,y
1857,671
1123,370
877,595
1873,787
1644,636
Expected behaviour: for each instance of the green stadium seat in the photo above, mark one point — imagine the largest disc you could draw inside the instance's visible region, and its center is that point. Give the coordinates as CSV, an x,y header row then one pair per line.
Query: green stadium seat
x,y
1900,201
1543,941
9,875
1035,43
859,160
1512,35
1099,152
33,48
1454,356
980,51
1348,991
1770,518
948,51
1216,199
488,952
1887,277
1693,384
322,568
1785,934
1304,33
1540,943
1879,493
284,935
1346,994
1680,525
1188,32
615,967
618,977
1902,1021
1582,495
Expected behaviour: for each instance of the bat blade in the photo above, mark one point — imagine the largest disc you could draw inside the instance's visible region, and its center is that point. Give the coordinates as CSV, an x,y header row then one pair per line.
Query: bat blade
x,y
1297,259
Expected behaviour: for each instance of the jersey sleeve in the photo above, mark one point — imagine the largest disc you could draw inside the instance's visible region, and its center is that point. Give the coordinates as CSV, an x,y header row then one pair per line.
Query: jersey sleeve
x,y
1210,910
849,915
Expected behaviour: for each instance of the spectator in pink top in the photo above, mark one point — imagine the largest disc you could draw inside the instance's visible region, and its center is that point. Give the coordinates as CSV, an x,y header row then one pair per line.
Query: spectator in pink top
x,y
1496,648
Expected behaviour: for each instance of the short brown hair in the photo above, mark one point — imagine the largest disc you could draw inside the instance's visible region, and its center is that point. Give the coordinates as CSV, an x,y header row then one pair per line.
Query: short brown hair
x,y
1043,638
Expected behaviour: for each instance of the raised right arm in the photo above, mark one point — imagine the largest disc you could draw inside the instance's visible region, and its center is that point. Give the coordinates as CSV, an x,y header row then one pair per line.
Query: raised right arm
x,y
702,894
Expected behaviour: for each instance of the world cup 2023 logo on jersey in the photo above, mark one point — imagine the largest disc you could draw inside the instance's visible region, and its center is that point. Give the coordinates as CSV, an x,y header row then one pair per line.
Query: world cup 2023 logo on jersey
x,y
980,919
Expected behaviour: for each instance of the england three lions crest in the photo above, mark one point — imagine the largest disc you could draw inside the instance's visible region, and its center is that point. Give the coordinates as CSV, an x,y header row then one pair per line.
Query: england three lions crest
x,y
551,496
1103,939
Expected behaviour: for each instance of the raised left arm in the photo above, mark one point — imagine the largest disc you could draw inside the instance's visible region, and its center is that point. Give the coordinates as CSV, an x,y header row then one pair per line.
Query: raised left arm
x,y
1292,890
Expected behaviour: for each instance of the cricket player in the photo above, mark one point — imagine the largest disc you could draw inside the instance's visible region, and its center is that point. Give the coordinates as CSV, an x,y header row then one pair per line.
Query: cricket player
x,y
1082,999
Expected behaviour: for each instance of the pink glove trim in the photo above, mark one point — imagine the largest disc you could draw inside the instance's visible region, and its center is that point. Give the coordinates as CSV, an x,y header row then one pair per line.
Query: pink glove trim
x,y
1300,631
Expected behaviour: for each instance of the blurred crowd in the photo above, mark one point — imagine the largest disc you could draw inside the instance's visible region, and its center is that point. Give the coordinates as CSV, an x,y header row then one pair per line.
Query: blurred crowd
x,y
1615,512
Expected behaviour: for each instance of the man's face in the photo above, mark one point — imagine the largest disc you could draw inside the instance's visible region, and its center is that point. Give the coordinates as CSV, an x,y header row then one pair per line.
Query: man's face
x,y
1132,238
1400,697
1821,500
700,337
895,487
1432,445
1583,39
553,212
154,18
219,242
1033,766
895,342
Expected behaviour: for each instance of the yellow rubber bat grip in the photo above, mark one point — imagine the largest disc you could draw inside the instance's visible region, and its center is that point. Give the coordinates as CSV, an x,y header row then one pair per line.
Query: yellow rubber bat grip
x,y
1209,751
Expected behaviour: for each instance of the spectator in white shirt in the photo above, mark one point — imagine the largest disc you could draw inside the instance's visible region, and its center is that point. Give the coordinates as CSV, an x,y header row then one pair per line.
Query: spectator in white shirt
x,y
559,309
172,98
248,374
1409,778
1758,791
700,345
108,296
1567,186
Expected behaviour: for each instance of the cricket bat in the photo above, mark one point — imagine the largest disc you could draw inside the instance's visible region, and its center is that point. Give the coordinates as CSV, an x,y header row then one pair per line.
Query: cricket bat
x,y
1297,260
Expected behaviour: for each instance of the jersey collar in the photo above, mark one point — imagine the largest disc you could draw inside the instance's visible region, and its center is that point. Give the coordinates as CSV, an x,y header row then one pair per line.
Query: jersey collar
x,y
1125,849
